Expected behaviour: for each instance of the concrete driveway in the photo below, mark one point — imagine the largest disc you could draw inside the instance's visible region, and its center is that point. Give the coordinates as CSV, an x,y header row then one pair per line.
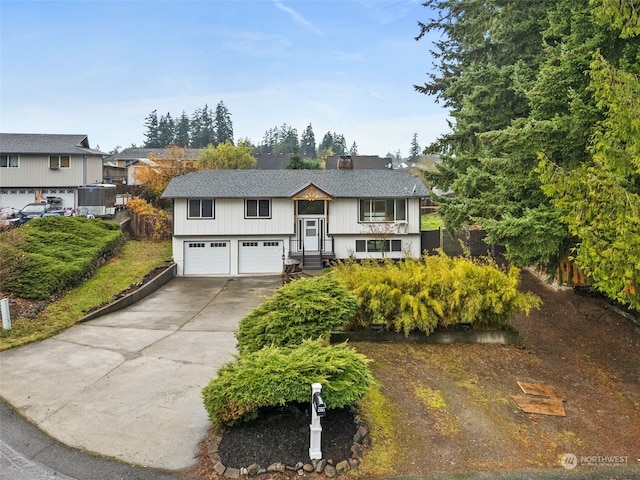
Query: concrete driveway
x,y
128,384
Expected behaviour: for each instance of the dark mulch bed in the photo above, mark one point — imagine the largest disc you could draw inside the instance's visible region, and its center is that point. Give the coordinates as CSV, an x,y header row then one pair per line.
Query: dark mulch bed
x,y
282,435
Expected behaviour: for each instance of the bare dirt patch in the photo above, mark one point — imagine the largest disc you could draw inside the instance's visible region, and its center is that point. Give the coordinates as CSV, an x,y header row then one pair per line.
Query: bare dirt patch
x,y
453,404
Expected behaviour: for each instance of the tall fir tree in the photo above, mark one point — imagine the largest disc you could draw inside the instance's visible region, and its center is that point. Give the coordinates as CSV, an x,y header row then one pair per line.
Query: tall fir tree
x,y
223,125
152,133
166,131
308,143
414,149
182,131
353,151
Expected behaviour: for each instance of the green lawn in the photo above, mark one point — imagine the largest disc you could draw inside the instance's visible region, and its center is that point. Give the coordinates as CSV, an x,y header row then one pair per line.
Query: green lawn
x,y
430,221
127,267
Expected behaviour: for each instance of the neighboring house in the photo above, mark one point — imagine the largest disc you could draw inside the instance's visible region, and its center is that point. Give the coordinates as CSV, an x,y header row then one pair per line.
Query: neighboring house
x,y
133,158
230,222
360,162
272,161
36,166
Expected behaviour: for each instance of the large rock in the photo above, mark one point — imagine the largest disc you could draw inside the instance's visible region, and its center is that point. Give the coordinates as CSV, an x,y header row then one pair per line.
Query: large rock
x,y
342,467
330,471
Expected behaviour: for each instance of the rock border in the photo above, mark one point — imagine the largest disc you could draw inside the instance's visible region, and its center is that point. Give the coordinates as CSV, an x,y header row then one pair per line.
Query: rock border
x,y
500,337
326,467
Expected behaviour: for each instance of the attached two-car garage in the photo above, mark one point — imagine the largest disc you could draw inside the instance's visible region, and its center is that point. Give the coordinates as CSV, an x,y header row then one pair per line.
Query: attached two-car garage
x,y
227,257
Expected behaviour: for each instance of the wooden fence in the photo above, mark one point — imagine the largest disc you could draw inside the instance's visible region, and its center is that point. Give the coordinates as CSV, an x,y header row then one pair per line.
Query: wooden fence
x,y
153,227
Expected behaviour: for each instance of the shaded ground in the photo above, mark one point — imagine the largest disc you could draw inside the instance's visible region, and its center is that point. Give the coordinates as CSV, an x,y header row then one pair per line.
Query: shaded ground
x,y
467,421
282,435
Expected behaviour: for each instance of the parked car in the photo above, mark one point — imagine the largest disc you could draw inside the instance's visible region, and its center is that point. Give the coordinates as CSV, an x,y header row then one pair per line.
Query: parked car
x,y
34,210
11,218
54,213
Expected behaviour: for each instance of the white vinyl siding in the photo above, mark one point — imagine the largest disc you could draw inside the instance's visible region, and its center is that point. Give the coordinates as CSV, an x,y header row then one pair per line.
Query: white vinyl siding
x,y
344,218
230,220
34,172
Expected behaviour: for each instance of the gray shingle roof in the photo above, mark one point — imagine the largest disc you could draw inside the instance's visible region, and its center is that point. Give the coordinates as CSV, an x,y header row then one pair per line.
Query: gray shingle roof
x,y
137,153
286,183
38,143
361,162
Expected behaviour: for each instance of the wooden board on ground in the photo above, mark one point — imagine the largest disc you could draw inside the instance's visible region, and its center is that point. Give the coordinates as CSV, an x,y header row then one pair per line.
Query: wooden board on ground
x,y
537,389
541,405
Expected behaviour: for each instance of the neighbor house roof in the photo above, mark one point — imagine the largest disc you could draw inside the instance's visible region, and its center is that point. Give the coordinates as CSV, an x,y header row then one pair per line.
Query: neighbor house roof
x,y
39,143
272,161
138,153
361,162
286,183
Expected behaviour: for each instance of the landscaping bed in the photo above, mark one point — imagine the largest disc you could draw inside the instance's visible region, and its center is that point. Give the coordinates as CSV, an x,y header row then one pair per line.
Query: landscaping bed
x,y
450,409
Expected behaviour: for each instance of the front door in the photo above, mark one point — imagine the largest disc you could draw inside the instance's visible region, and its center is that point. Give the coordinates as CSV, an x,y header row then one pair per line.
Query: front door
x,y
310,234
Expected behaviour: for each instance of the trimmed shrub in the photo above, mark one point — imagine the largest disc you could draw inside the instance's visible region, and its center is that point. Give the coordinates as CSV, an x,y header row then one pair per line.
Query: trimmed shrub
x,y
276,376
303,309
435,291
55,254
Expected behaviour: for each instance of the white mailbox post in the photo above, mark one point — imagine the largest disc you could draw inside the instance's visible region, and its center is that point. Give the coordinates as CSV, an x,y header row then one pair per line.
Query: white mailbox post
x,y
6,316
318,410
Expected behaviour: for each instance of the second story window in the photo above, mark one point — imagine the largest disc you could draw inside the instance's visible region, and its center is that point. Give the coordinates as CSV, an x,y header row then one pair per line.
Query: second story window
x,y
383,210
59,161
258,208
9,161
201,208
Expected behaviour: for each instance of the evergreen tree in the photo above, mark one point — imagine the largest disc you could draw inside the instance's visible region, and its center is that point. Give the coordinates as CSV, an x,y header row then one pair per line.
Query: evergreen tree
x,y
223,125
326,144
269,141
414,150
353,151
182,131
308,143
152,133
202,128
287,140
166,131
339,144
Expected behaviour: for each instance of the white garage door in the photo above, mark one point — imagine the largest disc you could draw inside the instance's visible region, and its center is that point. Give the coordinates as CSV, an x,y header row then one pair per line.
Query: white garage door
x,y
263,256
206,258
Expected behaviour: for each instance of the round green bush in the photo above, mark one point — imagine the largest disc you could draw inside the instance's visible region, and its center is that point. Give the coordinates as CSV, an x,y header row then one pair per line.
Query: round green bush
x,y
303,309
277,376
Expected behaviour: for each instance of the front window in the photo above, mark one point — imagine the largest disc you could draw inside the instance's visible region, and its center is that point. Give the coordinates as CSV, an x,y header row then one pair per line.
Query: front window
x,y
383,210
258,208
59,161
310,207
9,161
201,208
373,246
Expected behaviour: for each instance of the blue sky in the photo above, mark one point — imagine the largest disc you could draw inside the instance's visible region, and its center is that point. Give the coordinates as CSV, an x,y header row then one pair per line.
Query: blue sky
x,y
100,67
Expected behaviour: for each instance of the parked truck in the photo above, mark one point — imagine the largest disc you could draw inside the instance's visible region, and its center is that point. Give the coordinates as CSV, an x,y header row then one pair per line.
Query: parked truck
x,y
97,200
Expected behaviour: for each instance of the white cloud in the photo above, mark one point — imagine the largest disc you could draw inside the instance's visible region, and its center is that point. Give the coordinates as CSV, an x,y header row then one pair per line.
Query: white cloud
x,y
297,17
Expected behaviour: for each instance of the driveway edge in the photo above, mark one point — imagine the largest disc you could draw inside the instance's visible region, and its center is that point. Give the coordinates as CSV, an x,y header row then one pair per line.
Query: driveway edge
x,y
158,281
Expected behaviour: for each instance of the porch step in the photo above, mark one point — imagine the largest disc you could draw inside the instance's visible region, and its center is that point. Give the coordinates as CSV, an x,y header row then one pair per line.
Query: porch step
x,y
312,262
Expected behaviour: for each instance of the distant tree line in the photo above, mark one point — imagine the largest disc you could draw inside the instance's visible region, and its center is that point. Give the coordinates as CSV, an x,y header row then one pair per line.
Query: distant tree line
x,y
285,139
204,127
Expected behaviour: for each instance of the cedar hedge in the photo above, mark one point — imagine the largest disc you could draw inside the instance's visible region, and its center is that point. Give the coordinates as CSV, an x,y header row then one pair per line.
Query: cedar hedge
x,y
50,255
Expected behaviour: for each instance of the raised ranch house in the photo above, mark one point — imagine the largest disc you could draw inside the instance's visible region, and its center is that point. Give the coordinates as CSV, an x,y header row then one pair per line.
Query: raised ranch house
x,y
36,166
233,222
